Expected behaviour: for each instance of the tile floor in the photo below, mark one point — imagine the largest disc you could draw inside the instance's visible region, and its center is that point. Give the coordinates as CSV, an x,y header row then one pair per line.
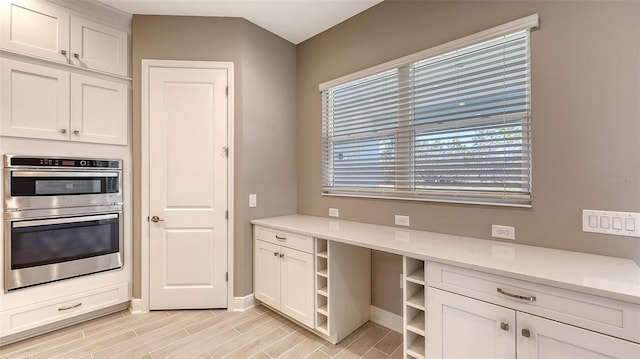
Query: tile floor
x,y
255,333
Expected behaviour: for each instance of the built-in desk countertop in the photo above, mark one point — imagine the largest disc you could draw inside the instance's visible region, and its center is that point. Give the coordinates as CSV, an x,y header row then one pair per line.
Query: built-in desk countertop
x,y
610,277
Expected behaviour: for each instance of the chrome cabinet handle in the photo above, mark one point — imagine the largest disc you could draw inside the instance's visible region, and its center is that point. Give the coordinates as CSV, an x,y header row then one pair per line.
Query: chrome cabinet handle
x,y
281,239
156,219
76,55
63,130
76,132
64,52
275,254
527,298
526,333
281,255
504,326
69,307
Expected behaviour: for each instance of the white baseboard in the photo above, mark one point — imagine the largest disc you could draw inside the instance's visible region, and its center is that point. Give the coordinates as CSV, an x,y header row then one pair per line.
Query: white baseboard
x,y
136,306
240,304
386,319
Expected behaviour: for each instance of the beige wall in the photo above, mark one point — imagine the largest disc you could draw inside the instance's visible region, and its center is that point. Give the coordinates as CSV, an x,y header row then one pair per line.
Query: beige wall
x,y
585,114
264,152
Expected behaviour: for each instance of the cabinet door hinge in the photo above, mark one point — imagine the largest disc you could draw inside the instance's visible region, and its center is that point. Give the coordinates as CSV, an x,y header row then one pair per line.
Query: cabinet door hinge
x,y
226,214
227,91
226,276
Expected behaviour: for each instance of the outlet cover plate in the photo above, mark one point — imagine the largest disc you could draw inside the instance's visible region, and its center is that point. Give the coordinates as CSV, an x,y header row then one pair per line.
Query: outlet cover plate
x,y
334,212
504,232
402,220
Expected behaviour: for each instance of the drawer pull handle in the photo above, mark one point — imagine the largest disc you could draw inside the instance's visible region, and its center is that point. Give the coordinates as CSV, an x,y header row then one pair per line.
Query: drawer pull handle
x,y
281,255
527,298
526,333
281,239
275,254
504,326
70,307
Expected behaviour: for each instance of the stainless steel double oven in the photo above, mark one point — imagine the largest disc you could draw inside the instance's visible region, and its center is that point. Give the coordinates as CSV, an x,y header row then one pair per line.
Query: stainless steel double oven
x,y
62,218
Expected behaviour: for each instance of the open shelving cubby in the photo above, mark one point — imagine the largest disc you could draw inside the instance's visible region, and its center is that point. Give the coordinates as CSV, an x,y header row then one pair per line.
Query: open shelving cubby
x,y
322,285
414,308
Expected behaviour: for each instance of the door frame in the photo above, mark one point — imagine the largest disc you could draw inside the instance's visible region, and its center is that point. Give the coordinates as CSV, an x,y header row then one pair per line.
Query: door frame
x,y
147,65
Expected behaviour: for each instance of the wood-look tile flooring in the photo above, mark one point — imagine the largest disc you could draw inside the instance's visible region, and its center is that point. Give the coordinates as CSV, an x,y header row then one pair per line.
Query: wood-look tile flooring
x,y
255,333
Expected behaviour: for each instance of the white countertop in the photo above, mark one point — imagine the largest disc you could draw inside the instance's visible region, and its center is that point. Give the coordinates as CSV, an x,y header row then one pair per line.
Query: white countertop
x,y
610,277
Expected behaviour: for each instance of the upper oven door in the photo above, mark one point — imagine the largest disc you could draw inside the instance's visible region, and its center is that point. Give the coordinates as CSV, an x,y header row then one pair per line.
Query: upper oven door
x,y
56,188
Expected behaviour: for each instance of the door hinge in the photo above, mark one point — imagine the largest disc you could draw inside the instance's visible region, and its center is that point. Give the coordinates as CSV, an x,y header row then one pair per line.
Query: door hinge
x,y
226,276
147,218
227,91
226,214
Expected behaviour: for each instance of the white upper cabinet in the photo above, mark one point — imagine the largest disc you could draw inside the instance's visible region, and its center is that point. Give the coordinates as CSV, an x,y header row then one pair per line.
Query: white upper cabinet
x,y
35,28
47,103
99,110
35,101
98,47
43,30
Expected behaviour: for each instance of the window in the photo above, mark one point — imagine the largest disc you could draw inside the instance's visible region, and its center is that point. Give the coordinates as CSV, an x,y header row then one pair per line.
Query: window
x,y
448,125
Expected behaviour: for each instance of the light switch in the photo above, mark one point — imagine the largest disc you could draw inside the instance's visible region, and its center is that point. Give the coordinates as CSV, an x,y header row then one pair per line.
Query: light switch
x,y
630,224
617,223
253,200
609,222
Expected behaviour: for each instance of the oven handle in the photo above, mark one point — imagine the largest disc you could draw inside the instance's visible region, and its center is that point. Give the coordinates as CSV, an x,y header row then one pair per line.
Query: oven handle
x,y
45,222
64,174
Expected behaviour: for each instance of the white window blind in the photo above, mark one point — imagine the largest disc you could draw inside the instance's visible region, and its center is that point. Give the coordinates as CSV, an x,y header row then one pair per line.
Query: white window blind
x,y
453,127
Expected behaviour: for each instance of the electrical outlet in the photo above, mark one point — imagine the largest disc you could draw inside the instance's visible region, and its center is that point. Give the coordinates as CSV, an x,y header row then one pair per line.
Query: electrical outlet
x,y
505,232
402,220
334,212
253,200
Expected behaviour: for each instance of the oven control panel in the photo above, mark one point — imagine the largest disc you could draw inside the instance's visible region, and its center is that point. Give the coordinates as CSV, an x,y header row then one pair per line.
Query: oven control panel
x,y
17,161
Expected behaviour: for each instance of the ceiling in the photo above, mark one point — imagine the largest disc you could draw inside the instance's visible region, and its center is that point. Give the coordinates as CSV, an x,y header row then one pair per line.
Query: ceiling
x,y
293,20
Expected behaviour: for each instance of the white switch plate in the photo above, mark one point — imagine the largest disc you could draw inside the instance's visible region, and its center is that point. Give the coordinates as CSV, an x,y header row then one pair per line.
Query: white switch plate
x,y
253,200
505,232
608,222
334,212
402,220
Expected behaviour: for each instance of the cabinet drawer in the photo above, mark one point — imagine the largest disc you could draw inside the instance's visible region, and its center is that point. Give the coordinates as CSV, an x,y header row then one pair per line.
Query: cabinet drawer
x,y
285,239
24,318
613,317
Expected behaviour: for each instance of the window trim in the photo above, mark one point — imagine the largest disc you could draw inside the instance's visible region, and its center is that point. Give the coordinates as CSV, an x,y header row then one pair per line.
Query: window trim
x,y
528,22
410,194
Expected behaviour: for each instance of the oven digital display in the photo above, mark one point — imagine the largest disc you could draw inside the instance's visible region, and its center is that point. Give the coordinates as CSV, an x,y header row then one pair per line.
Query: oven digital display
x,y
68,163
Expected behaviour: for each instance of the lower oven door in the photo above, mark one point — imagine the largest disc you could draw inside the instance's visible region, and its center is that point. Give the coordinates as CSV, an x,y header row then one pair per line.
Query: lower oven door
x,y
41,250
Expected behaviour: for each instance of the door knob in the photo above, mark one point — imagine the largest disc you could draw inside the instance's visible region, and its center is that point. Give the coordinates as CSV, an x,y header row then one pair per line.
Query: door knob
x,y
156,219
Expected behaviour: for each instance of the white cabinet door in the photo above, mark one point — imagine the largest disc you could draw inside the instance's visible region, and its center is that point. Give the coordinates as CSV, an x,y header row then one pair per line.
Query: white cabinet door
x,y
297,291
35,101
267,273
99,110
541,338
461,327
98,47
35,28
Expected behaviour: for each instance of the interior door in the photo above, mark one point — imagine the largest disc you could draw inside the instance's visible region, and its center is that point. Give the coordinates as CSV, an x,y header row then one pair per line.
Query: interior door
x,y
187,188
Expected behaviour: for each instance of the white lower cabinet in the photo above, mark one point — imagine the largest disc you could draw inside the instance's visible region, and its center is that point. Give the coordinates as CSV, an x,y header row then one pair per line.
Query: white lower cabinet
x,y
321,284
32,316
541,338
284,280
477,315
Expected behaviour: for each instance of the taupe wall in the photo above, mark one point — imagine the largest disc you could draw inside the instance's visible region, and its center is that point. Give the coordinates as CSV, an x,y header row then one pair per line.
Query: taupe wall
x,y
264,153
585,108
